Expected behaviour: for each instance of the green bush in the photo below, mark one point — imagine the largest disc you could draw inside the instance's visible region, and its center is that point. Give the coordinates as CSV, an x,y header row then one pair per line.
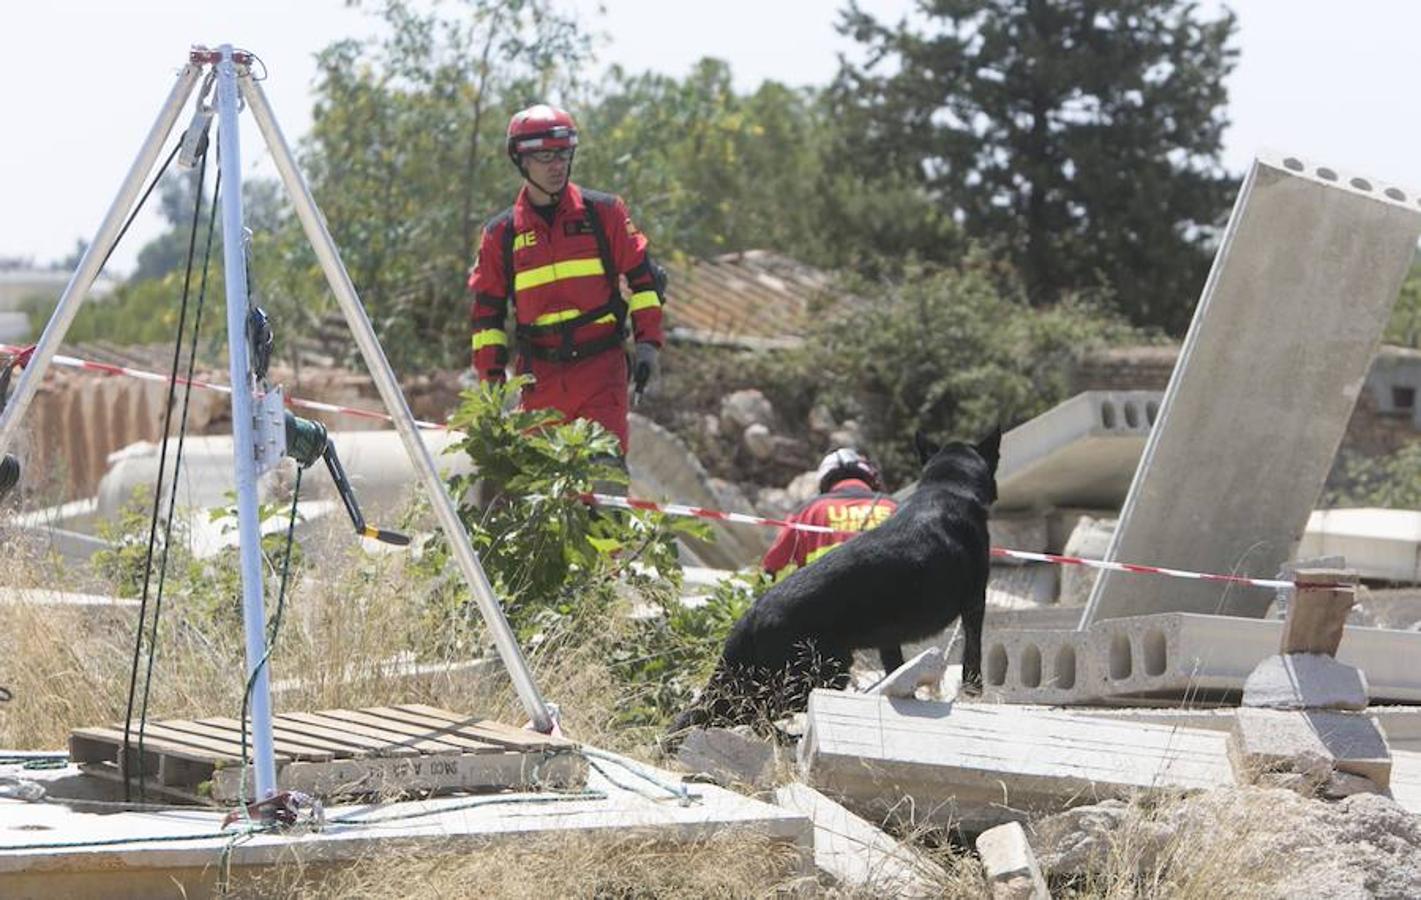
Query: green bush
x,y
1391,482
952,350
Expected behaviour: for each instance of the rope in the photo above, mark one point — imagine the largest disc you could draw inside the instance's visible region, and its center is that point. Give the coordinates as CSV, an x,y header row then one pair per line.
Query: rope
x,y
200,179
152,528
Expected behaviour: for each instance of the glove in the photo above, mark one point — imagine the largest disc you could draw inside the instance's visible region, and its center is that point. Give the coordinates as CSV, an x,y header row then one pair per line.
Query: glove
x,y
644,366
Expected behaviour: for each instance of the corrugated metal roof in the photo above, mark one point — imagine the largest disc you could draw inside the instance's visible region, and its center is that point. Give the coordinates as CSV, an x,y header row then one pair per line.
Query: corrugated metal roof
x,y
754,299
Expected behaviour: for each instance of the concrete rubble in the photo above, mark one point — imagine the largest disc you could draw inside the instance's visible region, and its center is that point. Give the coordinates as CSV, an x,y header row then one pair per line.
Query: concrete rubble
x,y
1010,864
729,756
926,670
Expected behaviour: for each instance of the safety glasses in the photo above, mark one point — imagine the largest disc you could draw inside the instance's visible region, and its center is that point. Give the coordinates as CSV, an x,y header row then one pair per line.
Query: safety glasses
x,y
547,156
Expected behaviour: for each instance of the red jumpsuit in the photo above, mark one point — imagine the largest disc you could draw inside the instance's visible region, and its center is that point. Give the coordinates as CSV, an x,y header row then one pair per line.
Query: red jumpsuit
x,y
851,505
558,275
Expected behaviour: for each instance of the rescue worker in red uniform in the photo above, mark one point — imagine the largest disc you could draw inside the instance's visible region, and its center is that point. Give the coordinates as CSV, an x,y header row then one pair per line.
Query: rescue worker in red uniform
x,y
558,255
851,499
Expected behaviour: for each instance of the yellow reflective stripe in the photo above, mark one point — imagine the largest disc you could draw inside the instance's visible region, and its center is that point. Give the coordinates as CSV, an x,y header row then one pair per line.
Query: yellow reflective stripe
x,y
564,315
490,337
644,300
572,268
815,554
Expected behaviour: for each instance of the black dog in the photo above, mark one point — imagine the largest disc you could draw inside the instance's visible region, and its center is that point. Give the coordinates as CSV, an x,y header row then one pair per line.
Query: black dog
x,y
903,581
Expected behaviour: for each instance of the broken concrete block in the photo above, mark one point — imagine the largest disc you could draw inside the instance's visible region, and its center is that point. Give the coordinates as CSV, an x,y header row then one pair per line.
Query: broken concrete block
x,y
1305,681
1318,612
731,756
1310,258
1345,784
1357,745
1010,865
858,855
1017,531
1269,741
1090,539
924,670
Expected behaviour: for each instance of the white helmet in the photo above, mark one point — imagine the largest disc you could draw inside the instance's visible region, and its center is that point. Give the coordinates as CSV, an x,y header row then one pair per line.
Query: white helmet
x,y
846,462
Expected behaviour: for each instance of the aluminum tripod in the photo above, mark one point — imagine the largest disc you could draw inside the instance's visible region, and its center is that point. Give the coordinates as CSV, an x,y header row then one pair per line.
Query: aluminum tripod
x,y
234,80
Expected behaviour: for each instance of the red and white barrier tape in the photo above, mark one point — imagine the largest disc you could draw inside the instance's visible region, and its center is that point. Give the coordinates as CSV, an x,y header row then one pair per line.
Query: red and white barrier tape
x,y
676,509
109,369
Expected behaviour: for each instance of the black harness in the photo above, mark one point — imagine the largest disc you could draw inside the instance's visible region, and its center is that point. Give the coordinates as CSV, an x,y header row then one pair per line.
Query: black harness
x,y
565,350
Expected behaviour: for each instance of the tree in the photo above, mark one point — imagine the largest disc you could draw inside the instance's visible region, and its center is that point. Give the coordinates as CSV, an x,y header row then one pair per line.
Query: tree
x,y
706,170
406,156
1081,136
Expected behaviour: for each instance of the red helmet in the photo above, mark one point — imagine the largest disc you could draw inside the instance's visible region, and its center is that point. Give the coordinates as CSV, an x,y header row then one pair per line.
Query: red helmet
x,y
540,127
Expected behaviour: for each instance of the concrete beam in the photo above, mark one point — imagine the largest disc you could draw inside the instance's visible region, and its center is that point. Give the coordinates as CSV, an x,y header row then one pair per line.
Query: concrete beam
x,y
1081,452
1283,336
1174,657
977,765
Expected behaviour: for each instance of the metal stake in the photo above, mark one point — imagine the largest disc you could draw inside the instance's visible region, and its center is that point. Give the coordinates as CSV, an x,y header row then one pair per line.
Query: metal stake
x,y
394,399
243,440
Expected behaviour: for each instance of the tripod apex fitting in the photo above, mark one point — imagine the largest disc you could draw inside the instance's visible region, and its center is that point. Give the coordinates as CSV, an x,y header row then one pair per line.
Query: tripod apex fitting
x,y
201,55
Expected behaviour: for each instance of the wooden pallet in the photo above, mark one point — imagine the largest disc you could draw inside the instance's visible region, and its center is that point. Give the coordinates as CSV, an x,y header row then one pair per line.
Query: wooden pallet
x,y
382,750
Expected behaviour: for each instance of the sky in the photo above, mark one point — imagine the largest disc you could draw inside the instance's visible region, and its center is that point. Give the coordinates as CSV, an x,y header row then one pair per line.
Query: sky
x,y
1336,83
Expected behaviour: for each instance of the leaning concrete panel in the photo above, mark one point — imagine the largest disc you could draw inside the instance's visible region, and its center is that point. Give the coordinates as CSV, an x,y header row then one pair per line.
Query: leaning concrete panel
x,y
1280,345
1081,452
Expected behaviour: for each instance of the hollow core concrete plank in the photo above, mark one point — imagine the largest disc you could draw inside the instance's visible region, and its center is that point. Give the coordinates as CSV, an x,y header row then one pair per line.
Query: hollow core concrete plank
x,y
1081,452
1284,333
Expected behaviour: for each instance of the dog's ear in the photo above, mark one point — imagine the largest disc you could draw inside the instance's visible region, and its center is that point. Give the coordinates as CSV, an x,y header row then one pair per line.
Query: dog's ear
x,y
927,449
990,447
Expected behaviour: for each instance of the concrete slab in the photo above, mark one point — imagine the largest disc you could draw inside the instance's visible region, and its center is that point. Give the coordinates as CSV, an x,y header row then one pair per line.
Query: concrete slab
x,y
1381,544
978,765
1291,315
1305,681
100,853
1174,657
855,853
1081,452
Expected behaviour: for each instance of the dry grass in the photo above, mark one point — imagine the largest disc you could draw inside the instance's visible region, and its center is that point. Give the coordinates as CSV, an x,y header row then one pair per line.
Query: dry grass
x,y
733,865
347,641
70,667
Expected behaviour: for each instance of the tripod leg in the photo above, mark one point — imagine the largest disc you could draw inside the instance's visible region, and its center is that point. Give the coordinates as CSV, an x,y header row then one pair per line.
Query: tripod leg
x,y
388,385
95,255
